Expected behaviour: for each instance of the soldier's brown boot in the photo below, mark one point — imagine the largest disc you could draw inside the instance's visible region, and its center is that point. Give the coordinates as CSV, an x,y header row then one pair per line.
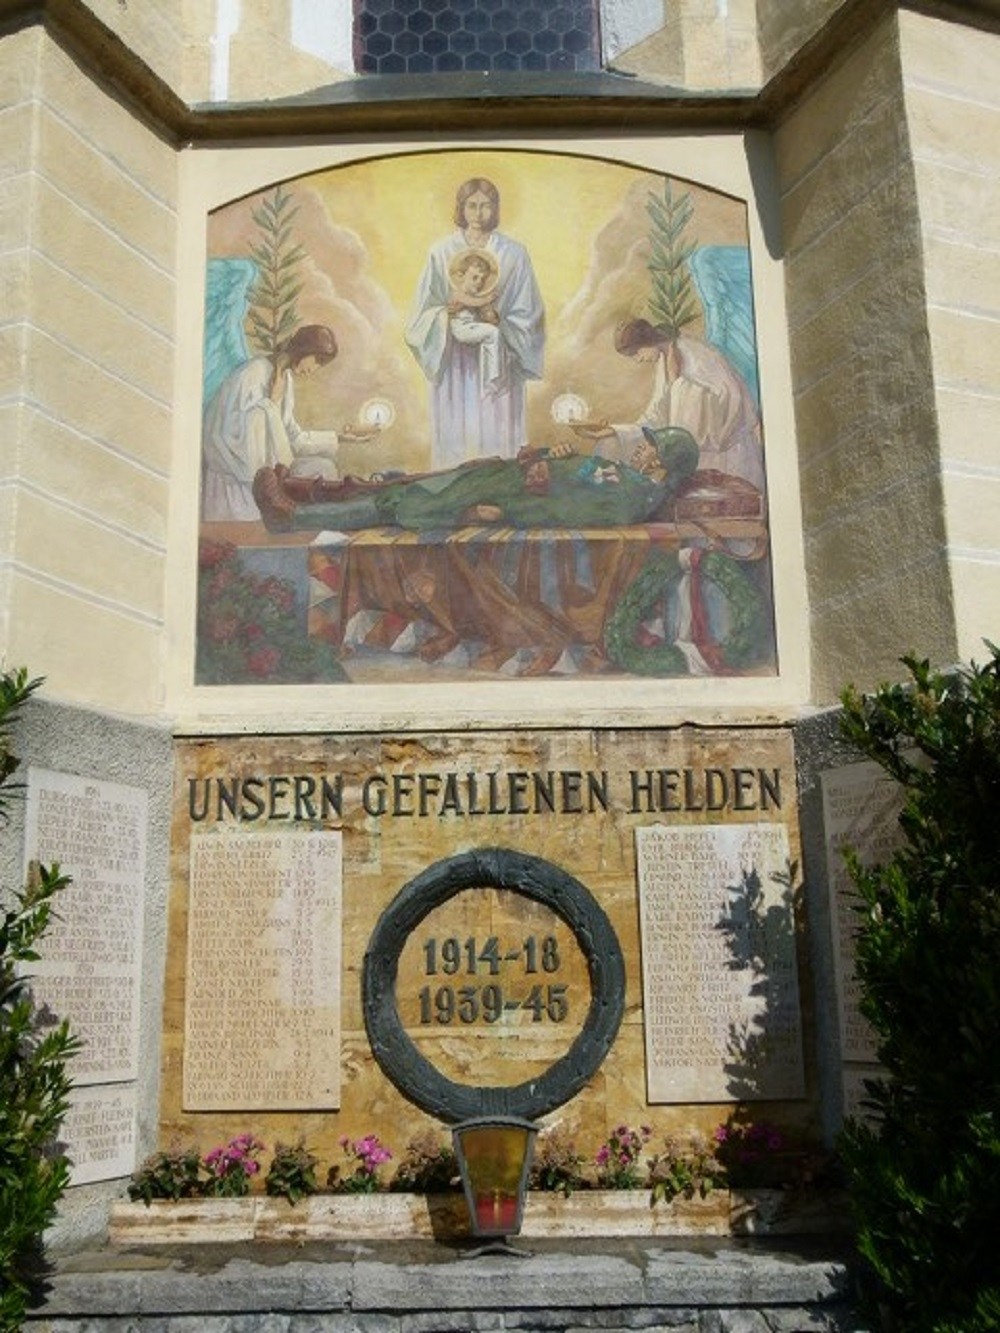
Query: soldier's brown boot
x,y
277,508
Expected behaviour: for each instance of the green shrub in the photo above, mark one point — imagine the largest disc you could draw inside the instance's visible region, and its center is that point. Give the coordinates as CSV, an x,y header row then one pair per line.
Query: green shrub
x,y
292,1173
924,1168
34,1085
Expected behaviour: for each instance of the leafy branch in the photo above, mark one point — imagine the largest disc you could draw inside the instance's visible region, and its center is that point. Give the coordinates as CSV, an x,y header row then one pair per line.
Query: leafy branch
x,y
672,303
273,314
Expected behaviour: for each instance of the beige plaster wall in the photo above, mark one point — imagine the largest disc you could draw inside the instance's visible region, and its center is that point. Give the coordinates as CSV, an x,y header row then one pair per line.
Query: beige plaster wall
x,y
702,45
87,235
783,28
155,30
873,510
951,77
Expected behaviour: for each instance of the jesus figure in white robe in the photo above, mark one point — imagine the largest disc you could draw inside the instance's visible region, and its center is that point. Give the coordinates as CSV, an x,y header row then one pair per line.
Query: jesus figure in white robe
x,y
477,369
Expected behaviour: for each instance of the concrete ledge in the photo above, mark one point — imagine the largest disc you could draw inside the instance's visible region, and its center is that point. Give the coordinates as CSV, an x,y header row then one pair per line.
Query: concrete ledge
x,y
687,1285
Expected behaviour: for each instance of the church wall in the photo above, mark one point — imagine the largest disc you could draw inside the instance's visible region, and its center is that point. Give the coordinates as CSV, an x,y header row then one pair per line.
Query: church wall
x,y
94,354
783,28
155,30
700,45
863,375
950,76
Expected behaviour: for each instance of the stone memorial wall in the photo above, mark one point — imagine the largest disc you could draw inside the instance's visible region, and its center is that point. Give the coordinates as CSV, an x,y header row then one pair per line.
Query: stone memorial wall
x,y
288,850
263,972
96,831
719,968
100,1132
90,969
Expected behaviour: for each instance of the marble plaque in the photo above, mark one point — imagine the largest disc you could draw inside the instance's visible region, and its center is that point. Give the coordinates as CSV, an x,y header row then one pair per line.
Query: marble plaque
x,y
90,965
99,1132
861,804
720,978
262,1014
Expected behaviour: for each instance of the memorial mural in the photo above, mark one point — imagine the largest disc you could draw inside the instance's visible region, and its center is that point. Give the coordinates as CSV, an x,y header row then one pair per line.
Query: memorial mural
x,y
481,414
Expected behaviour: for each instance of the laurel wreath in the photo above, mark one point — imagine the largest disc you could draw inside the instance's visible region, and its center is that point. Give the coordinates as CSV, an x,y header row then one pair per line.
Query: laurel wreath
x,y
653,582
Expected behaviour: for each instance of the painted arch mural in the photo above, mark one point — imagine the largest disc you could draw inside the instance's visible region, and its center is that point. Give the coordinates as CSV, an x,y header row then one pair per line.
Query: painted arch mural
x,y
481,414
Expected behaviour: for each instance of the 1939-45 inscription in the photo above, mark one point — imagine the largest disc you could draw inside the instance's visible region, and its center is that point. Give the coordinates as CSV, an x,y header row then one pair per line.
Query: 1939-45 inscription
x,y
488,1002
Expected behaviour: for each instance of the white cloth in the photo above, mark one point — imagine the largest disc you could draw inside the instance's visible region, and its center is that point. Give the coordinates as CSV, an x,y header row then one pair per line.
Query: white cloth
x,y
243,430
477,370
709,399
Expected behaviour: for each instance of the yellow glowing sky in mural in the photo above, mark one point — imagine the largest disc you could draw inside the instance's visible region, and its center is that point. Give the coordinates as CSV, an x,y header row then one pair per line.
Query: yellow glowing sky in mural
x,y
553,205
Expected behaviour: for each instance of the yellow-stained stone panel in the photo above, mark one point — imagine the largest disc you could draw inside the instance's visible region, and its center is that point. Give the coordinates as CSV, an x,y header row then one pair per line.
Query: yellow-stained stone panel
x,y
977,604
109,262
100,329
383,851
90,654
74,468
73,389
54,541
100,186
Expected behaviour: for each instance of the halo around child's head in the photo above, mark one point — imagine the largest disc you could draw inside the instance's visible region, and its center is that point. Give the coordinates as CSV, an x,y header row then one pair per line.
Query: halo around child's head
x,y
476,261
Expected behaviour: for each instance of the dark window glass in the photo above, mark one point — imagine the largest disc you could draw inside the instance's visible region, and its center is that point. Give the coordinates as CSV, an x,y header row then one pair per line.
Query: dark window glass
x,y
475,34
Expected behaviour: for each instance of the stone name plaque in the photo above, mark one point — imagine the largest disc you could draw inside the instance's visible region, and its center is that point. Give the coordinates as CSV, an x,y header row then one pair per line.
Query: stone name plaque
x,y
99,1132
861,805
720,980
262,1016
89,971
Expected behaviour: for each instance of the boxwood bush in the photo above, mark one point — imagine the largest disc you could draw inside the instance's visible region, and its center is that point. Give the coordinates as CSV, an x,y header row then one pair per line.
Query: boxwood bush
x,y
924,1164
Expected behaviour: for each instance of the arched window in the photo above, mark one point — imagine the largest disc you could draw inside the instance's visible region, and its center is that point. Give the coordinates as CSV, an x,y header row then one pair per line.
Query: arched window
x,y
449,36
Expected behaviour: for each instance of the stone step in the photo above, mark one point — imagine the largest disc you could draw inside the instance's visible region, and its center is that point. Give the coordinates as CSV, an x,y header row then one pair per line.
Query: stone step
x,y
685,1285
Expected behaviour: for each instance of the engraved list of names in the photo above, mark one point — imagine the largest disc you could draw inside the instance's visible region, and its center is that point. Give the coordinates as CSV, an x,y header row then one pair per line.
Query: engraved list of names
x,y
720,983
89,972
262,1016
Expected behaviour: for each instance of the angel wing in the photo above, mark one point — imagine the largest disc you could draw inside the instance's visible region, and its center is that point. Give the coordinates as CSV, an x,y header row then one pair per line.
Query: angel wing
x,y
722,276
227,287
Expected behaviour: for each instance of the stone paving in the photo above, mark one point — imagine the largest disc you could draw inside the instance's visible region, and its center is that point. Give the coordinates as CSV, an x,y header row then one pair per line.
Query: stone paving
x,y
684,1286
